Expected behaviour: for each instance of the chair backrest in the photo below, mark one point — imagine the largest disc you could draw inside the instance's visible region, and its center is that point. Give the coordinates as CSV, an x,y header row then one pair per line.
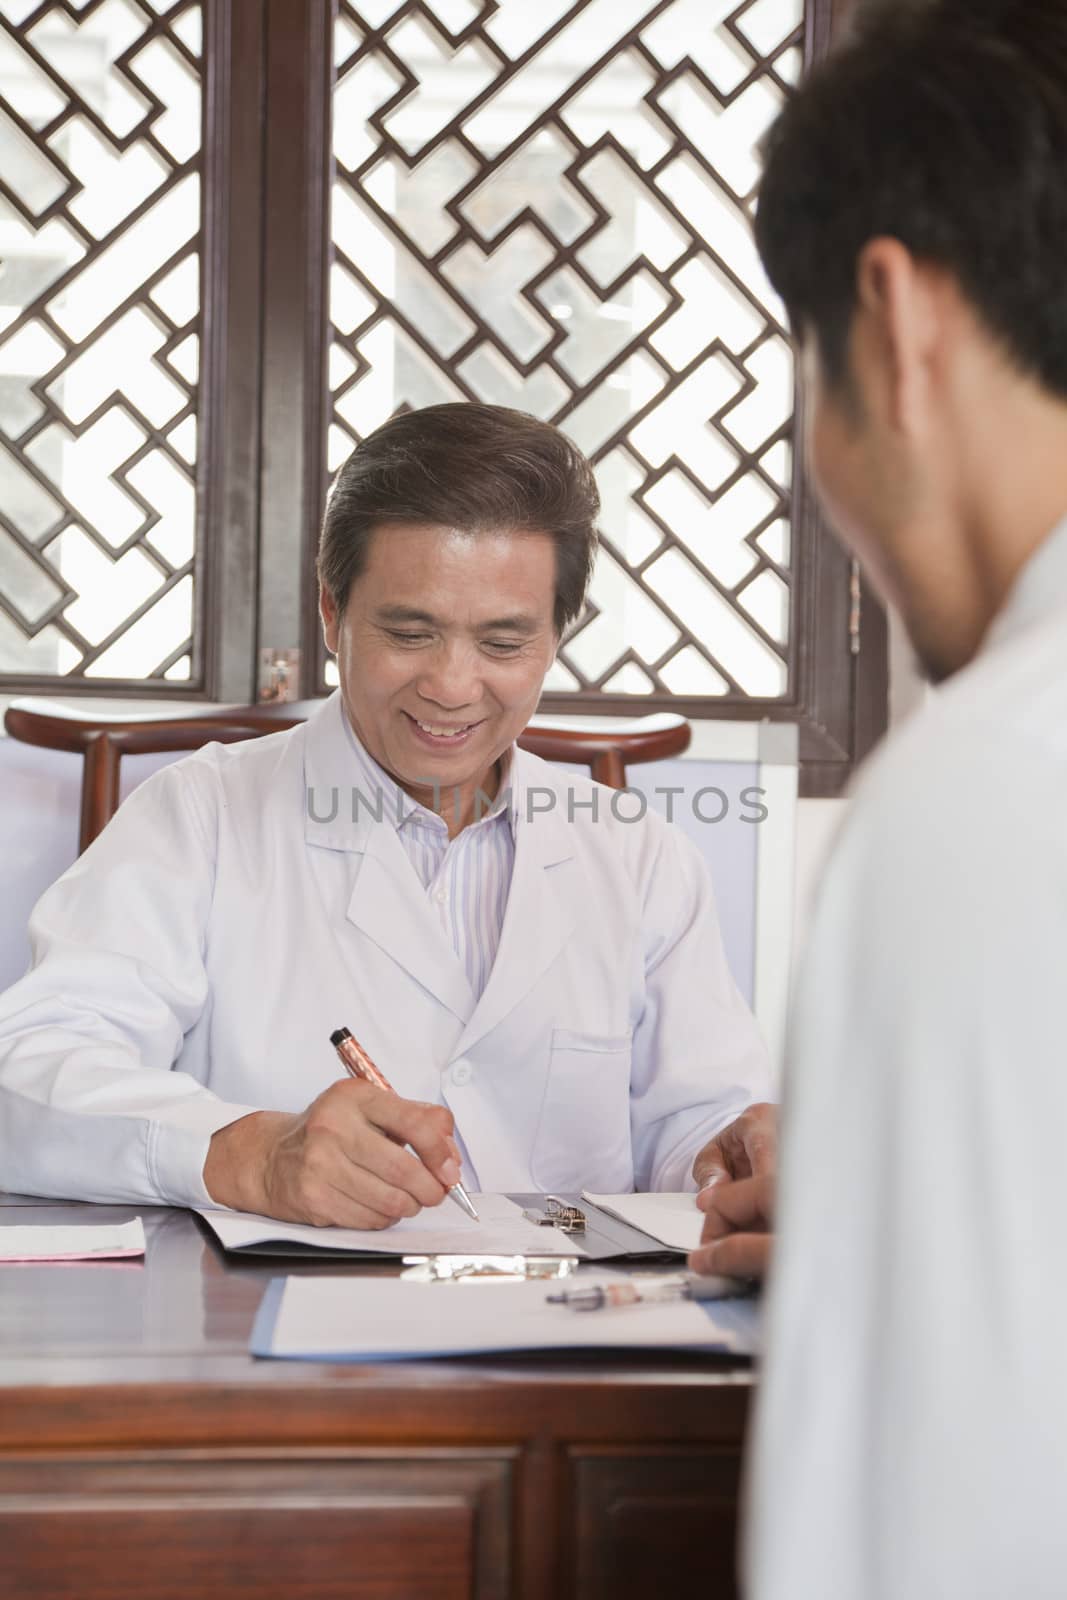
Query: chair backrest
x,y
605,749
103,742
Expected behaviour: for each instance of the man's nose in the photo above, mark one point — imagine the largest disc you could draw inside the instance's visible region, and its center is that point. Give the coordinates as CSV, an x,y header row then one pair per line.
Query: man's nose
x,y
450,679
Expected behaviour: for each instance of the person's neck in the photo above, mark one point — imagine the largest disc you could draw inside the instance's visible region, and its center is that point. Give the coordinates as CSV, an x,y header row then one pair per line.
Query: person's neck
x,y
960,554
1018,490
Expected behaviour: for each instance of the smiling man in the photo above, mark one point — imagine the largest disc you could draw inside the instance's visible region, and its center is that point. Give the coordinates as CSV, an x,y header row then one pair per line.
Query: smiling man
x,y
542,981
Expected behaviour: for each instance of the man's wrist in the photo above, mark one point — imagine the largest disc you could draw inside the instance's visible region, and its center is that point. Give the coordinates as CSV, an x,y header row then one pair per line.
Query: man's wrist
x,y
235,1165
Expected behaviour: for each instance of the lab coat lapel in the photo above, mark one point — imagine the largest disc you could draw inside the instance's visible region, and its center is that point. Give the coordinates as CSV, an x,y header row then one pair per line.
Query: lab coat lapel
x,y
390,906
388,903
543,903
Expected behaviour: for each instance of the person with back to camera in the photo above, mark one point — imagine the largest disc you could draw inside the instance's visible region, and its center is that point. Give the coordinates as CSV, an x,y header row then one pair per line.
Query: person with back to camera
x,y
911,1435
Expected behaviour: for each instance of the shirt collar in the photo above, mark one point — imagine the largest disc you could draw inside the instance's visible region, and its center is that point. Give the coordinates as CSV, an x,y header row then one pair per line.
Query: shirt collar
x,y
401,810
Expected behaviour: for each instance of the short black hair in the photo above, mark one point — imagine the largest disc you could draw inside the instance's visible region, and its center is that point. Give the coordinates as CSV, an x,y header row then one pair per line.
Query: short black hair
x,y
479,468
941,123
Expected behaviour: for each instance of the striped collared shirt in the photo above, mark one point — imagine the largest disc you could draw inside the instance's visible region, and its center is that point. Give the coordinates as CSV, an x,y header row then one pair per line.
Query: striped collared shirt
x,y
467,878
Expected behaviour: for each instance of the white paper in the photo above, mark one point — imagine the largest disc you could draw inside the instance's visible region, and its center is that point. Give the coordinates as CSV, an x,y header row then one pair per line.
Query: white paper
x,y
81,1242
673,1219
502,1230
362,1318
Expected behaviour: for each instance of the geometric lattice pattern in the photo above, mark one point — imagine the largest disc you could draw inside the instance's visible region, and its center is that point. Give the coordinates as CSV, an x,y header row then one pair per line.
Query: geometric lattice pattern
x,y
548,206
100,214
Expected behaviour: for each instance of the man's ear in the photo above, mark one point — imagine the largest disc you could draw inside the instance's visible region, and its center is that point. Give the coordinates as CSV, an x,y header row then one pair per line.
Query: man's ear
x,y
331,622
898,328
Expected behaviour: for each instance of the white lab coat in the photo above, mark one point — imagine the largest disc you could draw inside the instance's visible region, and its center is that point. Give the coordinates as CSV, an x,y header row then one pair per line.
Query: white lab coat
x,y
191,966
911,1438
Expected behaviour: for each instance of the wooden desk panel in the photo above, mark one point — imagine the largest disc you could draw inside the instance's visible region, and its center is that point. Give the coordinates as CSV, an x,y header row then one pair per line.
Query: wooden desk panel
x,y
143,1452
642,1514
162,1528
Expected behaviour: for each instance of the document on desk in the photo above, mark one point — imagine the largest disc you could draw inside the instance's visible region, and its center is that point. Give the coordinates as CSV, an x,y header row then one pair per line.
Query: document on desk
x,y
673,1219
501,1230
395,1319
77,1242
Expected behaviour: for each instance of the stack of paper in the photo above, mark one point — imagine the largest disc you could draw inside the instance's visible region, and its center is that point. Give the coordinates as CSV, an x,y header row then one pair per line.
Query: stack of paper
x,y
374,1319
444,1230
673,1219
79,1242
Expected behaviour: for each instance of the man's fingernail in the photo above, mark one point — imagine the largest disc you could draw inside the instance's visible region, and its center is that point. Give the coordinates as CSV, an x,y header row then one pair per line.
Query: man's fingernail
x,y
450,1174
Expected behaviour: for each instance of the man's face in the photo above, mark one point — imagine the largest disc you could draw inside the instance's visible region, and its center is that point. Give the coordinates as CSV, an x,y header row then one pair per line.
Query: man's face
x,y
442,650
885,500
846,461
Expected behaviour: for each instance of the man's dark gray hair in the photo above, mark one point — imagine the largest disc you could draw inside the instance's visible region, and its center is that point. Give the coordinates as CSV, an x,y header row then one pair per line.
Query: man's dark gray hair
x,y
478,468
941,123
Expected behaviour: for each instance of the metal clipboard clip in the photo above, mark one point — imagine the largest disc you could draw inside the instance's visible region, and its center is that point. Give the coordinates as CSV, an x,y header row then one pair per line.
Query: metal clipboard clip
x,y
557,1214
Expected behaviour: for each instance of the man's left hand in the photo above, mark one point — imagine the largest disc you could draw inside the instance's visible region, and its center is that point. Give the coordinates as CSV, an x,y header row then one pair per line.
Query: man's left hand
x,y
738,1235
748,1148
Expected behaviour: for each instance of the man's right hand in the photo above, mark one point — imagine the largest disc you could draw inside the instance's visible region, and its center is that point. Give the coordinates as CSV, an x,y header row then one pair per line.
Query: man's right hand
x,y
340,1162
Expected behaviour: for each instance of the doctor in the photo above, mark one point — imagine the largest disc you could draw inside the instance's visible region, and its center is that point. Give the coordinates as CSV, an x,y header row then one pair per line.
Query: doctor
x,y
542,980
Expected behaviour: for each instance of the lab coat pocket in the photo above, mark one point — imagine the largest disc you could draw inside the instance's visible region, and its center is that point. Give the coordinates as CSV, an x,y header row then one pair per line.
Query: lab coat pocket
x,y
583,1135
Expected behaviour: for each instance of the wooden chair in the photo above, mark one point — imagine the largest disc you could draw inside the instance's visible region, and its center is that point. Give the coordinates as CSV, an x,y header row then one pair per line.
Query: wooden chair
x,y
103,741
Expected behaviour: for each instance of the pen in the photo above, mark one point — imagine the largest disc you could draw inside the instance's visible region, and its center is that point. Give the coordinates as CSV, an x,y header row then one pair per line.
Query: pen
x,y
358,1064
690,1286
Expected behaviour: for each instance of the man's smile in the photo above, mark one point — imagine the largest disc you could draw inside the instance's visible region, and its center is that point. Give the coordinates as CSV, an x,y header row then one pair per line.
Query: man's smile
x,y
438,734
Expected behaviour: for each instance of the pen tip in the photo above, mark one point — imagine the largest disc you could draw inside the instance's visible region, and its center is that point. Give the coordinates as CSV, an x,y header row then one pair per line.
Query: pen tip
x,y
460,1195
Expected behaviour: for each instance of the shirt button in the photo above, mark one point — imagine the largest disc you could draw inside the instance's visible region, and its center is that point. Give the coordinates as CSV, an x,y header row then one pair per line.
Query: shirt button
x,y
462,1072
440,895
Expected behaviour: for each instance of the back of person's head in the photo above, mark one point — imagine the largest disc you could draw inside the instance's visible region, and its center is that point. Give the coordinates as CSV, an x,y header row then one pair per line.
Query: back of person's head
x,y
943,124
477,468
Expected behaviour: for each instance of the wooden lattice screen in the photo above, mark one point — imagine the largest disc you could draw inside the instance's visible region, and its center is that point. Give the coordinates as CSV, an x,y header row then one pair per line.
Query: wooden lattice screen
x,y
100,213
547,206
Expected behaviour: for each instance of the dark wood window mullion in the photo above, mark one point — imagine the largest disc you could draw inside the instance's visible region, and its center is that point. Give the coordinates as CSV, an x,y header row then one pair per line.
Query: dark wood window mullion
x,y
298,166
844,682
231,290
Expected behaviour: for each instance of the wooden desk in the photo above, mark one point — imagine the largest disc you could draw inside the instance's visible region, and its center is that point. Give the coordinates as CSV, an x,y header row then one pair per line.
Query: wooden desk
x,y
145,1456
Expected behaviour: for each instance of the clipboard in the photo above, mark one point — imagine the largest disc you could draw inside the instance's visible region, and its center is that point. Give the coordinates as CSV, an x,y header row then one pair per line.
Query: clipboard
x,y
603,1239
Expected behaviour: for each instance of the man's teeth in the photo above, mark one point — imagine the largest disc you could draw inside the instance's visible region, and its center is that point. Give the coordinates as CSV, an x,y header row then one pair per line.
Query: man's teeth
x,y
443,732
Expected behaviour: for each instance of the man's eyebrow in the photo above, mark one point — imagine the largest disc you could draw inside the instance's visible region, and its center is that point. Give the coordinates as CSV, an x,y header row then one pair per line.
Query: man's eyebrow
x,y
403,614
521,622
